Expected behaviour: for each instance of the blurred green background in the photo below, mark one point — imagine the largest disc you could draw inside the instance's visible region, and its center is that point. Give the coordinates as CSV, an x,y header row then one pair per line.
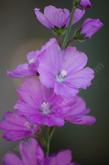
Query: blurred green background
x,y
20,32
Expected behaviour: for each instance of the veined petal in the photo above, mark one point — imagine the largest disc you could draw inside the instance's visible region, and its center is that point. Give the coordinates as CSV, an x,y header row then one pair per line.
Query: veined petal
x,y
78,15
74,106
20,71
31,152
90,27
83,120
56,16
63,158
16,127
82,79
42,18
49,65
65,90
50,120
74,60
30,93
76,112
11,159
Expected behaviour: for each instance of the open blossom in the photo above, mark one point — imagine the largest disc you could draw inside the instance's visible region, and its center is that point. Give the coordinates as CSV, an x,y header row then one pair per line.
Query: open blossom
x,y
16,127
85,3
57,18
90,27
33,58
41,106
32,154
65,71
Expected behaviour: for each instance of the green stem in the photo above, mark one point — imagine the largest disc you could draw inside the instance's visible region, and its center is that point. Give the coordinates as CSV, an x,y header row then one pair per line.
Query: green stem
x,y
68,31
50,135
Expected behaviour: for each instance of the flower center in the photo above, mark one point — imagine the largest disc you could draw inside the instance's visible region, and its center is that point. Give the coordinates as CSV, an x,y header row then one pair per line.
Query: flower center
x,y
61,76
27,125
45,108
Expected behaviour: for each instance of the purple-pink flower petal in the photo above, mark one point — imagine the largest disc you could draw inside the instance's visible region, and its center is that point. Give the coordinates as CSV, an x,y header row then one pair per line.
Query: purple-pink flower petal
x,y
39,104
65,71
32,154
79,13
85,4
11,159
42,18
56,16
33,59
76,112
90,27
21,70
16,127
53,17
42,106
62,158
50,64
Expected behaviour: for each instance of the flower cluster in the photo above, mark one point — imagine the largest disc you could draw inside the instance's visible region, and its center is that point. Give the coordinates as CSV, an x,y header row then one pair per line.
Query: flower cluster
x,y
48,98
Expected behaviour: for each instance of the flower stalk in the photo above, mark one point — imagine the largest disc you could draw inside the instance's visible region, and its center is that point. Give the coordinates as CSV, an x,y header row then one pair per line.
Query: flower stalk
x,y
49,138
69,29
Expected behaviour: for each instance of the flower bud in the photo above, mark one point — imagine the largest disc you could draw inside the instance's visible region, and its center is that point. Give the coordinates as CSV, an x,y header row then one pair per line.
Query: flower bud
x,y
90,27
85,4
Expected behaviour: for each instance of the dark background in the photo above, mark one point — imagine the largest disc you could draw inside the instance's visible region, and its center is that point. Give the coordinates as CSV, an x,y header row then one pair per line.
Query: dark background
x,y
20,32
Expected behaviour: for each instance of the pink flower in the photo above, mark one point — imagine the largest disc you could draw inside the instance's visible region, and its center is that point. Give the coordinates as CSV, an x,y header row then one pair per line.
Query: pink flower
x,y
57,18
41,106
85,4
16,127
53,17
90,27
32,154
33,58
65,71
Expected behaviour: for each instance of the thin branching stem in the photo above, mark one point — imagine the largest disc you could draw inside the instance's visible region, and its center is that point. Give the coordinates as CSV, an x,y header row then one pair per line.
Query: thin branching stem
x,y
68,31
50,135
